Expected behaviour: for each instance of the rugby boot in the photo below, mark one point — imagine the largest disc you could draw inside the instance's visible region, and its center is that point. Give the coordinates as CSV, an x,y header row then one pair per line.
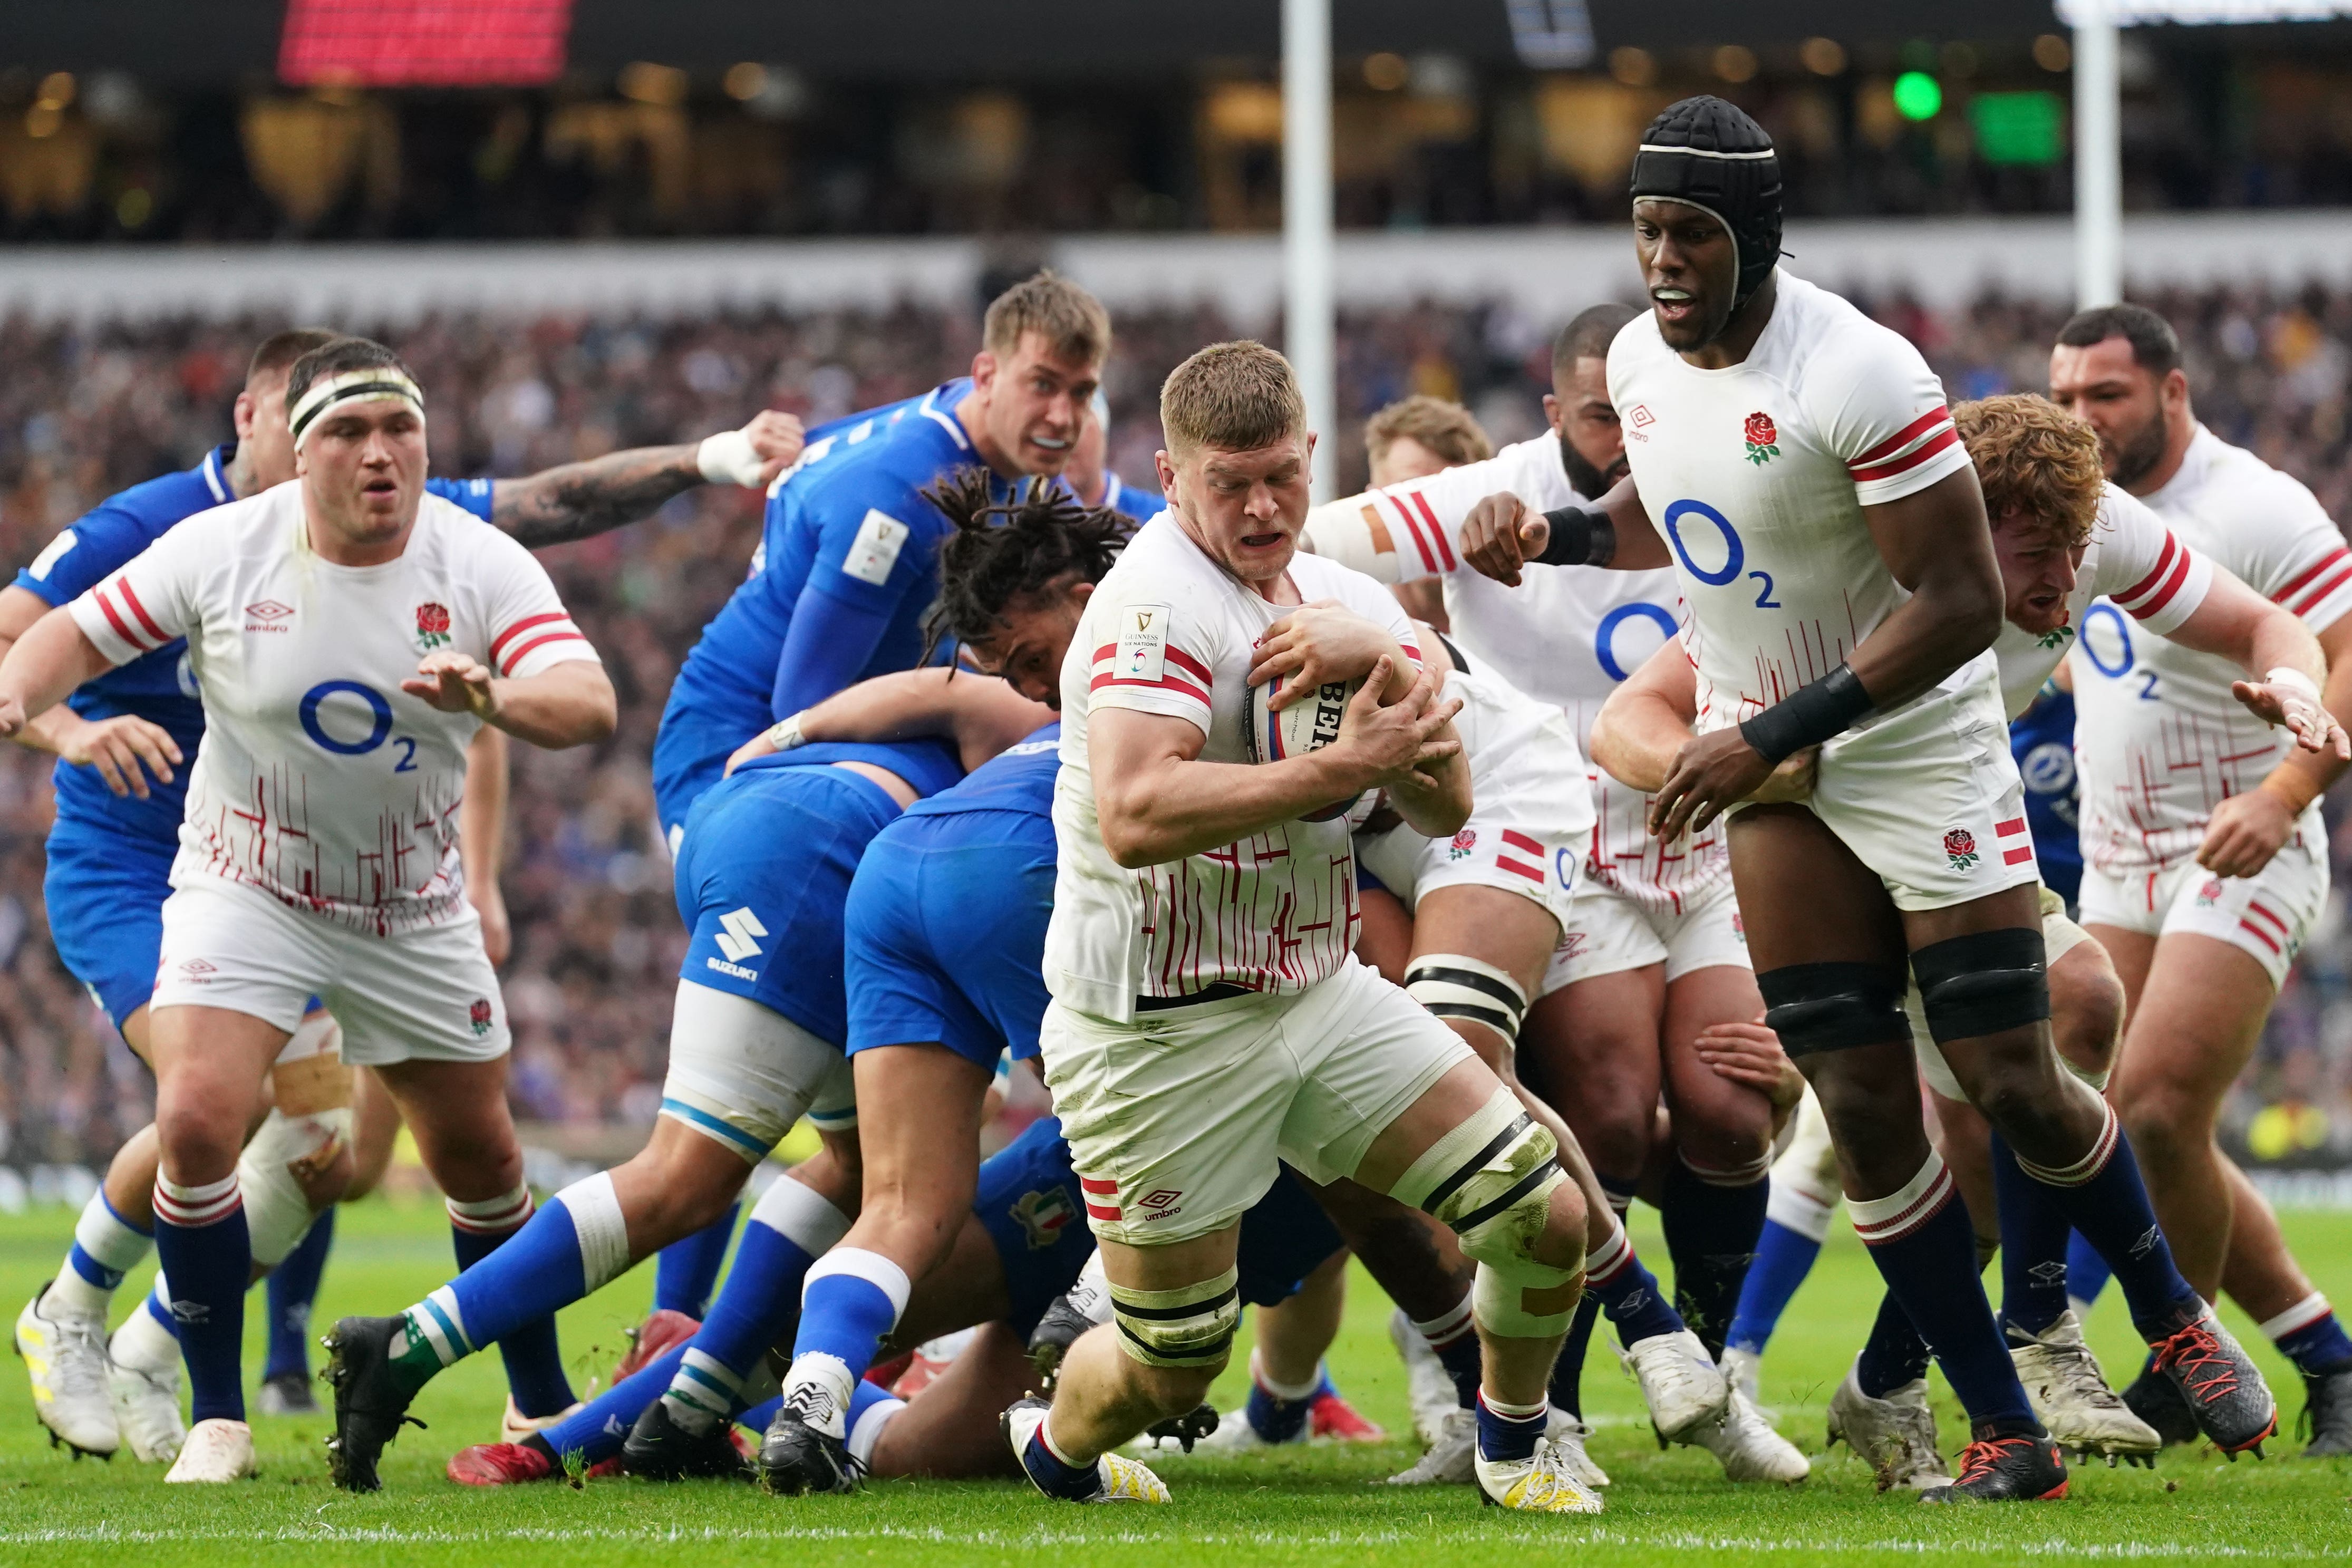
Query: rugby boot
x,y
1894,1435
1429,1387
514,1426
2152,1397
796,1458
288,1393
663,1331
2223,1388
65,1358
659,1449
1451,1460
1679,1383
2021,1468
1115,1478
1747,1447
1058,1329
502,1465
147,1411
1569,1436
2071,1397
1332,1419
2327,1415
1541,1483
217,1451
1197,1424
1742,1369
370,1406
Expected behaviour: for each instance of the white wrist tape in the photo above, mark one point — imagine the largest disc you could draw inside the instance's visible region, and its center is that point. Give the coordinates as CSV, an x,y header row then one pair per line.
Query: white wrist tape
x,y
785,735
2294,680
727,458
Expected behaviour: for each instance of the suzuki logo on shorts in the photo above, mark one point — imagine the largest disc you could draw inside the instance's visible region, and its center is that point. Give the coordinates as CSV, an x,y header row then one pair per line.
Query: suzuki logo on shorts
x,y
736,931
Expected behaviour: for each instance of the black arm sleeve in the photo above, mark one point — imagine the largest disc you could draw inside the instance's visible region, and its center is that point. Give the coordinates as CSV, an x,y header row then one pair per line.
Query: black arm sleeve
x,y
1580,537
1807,716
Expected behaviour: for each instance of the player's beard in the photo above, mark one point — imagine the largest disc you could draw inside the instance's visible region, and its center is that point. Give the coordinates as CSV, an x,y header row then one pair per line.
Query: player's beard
x,y
1586,480
2138,456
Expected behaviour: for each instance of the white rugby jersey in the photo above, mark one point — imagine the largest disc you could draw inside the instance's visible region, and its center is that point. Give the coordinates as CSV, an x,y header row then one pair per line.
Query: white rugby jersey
x,y
2158,737
1566,635
1168,631
2134,561
319,780
1755,476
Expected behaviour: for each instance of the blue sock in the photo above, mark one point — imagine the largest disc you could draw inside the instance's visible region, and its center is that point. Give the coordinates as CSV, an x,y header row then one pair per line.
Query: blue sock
x,y
687,1270
2318,1348
207,1254
292,1287
2086,1271
596,1430
1567,1371
1783,1258
754,1309
1711,1236
1275,1416
1509,1434
1629,1292
533,1357
2102,1195
2033,1235
762,1415
1055,1476
1920,1239
1893,1354
844,1310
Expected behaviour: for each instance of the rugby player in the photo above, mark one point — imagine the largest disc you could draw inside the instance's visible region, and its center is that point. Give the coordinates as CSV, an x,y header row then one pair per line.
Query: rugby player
x,y
845,570
1651,954
351,892
1200,945
756,1038
2064,538
1830,540
122,742
1095,485
2207,857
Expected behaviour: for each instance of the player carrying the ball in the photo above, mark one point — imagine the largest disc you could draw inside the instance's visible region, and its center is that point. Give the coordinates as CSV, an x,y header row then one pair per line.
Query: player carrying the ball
x,y
1209,1017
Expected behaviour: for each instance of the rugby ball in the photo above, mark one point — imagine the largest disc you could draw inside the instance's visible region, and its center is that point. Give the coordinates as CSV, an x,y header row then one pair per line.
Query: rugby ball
x,y
1307,724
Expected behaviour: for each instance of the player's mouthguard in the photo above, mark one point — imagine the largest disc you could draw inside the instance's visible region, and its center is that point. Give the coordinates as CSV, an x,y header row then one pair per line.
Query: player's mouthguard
x,y
369,385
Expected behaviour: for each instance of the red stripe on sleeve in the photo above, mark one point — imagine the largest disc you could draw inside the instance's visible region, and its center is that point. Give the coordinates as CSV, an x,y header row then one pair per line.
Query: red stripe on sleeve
x,y
523,625
1437,529
1901,439
121,627
1185,661
2308,572
1413,527
1909,460
2316,594
567,635
1167,683
131,599
2164,563
2168,592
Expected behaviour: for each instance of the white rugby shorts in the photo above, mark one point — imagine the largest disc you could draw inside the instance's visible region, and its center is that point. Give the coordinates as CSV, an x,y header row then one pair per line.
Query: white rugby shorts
x,y
2268,915
741,1074
1607,931
1521,843
1176,1122
427,993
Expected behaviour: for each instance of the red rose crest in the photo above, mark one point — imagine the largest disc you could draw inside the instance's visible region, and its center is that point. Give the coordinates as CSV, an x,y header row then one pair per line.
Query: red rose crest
x,y
481,1015
1463,843
432,625
1762,437
1960,848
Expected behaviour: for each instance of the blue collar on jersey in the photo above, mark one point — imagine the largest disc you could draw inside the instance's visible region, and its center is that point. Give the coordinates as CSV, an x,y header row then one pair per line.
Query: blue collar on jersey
x,y
929,408
214,468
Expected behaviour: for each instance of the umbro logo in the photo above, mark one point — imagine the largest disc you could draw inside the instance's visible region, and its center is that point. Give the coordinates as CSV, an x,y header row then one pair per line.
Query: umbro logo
x,y
736,930
268,615
191,1311
198,967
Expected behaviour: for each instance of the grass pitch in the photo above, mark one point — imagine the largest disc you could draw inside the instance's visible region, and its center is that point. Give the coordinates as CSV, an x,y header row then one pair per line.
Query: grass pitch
x,y
1317,1505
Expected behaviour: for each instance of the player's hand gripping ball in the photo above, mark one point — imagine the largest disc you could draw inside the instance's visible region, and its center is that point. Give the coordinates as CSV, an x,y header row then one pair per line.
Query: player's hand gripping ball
x,y
1309,722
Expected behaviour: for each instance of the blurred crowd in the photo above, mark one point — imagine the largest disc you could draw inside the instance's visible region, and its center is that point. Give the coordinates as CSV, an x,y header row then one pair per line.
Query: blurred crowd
x,y
85,410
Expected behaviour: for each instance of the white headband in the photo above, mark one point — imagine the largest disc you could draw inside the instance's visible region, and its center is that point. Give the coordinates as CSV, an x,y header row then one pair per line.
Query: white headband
x,y
367,386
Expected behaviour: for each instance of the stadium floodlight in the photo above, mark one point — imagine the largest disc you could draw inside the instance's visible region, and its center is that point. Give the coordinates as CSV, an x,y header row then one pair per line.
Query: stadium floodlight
x,y
1308,330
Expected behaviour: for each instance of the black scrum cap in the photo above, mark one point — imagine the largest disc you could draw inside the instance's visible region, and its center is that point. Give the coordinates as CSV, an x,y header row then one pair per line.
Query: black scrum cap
x,y
1707,153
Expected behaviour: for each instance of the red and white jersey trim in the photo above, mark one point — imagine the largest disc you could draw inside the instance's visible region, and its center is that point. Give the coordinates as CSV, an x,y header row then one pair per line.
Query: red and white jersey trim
x,y
1907,449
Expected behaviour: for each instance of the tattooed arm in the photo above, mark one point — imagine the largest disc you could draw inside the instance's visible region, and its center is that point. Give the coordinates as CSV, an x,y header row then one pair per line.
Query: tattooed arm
x,y
579,501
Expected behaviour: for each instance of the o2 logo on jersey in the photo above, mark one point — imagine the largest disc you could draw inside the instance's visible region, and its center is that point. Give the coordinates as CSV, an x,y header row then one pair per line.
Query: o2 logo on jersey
x,y
184,673
1604,640
337,729
1564,866
1735,551
2106,642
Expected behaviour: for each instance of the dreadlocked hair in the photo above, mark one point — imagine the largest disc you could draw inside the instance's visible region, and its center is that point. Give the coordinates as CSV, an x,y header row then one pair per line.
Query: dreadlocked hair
x,y
1003,551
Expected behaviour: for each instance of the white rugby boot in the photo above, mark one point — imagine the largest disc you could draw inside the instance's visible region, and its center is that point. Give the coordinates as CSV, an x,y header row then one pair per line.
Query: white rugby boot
x,y
1117,1479
1743,1370
1680,1384
1568,1437
142,1379
1540,1484
1895,1437
1450,1460
2072,1398
216,1451
1429,1387
1750,1449
65,1358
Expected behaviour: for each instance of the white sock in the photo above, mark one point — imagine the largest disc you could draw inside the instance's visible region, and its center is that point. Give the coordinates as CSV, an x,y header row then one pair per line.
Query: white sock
x,y
111,1243
143,1344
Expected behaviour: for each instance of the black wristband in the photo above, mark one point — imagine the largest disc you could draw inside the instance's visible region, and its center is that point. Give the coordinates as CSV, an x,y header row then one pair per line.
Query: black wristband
x,y
1580,537
1807,716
